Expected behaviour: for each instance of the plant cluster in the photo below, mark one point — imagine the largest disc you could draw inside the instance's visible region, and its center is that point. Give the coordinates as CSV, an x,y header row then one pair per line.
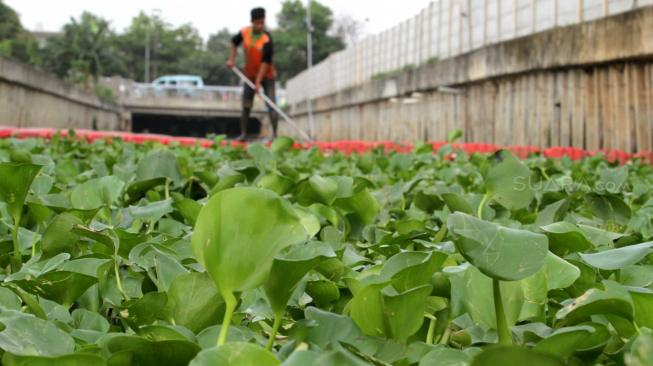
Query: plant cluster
x,y
116,253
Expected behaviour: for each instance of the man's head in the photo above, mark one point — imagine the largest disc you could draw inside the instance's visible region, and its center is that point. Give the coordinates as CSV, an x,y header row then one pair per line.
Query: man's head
x,y
258,19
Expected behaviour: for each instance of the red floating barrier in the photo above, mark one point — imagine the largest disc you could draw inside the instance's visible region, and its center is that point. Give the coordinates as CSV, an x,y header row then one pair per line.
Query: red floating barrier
x,y
346,147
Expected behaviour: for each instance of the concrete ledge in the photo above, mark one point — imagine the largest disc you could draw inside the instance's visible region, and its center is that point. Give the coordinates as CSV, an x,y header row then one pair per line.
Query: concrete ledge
x,y
627,36
29,77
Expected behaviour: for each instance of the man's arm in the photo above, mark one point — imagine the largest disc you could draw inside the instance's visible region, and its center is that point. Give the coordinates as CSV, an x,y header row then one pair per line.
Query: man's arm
x,y
231,62
235,42
261,74
268,52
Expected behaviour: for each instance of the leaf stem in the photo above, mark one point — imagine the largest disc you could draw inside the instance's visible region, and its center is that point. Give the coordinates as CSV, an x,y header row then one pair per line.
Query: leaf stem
x,y
431,332
275,330
445,336
502,324
118,281
230,305
167,188
38,228
479,211
17,260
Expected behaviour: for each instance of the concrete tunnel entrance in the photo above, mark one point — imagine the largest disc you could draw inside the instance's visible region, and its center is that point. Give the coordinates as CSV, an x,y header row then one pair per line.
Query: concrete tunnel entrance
x,y
192,126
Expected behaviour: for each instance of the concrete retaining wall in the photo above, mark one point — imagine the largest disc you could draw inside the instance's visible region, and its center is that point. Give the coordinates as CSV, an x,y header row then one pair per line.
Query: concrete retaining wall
x,y
31,98
587,85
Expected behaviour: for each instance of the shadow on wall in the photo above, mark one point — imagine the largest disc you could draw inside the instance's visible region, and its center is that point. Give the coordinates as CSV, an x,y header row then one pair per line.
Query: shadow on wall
x,y
192,126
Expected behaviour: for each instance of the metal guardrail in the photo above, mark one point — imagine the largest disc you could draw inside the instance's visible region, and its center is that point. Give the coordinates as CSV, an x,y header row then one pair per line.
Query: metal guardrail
x,y
204,93
207,93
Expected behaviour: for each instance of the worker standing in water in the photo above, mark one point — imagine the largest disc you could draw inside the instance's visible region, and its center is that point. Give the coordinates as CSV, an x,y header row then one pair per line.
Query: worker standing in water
x,y
258,50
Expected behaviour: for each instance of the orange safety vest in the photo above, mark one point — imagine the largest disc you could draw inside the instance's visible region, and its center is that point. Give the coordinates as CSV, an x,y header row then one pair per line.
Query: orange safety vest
x,y
254,54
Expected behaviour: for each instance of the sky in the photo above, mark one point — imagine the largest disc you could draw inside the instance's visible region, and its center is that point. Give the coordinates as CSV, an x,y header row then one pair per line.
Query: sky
x,y
207,16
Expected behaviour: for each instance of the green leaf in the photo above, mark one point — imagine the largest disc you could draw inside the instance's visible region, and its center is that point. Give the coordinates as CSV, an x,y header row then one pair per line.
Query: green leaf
x,y
289,269
281,144
362,204
564,341
323,292
141,351
95,193
106,237
318,189
80,359
276,183
643,306
158,164
408,270
14,185
499,252
262,156
227,182
443,356
565,237
471,292
152,211
60,286
613,300
89,320
383,312
239,232
145,310
553,212
612,180
511,355
310,222
235,354
457,203
193,301
509,183
618,258
454,135
640,350
608,207
137,189
9,300
187,208
58,236
26,335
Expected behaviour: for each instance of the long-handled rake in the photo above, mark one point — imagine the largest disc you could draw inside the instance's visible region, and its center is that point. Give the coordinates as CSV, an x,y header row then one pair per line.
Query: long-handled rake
x,y
272,105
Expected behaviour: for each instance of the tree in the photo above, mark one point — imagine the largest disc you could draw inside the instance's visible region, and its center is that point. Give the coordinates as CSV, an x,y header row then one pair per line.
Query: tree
x,y
210,66
290,37
348,29
210,63
85,51
10,25
15,41
168,46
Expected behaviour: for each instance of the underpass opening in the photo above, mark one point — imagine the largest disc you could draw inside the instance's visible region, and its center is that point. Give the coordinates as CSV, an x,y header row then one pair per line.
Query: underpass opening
x,y
192,126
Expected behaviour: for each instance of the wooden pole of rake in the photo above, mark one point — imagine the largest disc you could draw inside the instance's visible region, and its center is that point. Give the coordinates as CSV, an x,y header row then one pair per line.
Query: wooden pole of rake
x,y
271,104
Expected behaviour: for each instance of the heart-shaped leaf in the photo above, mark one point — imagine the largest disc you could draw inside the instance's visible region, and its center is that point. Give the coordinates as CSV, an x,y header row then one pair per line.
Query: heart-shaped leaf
x,y
288,270
235,354
510,355
618,258
158,164
193,301
27,335
96,193
14,185
79,359
372,304
239,232
499,252
509,183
